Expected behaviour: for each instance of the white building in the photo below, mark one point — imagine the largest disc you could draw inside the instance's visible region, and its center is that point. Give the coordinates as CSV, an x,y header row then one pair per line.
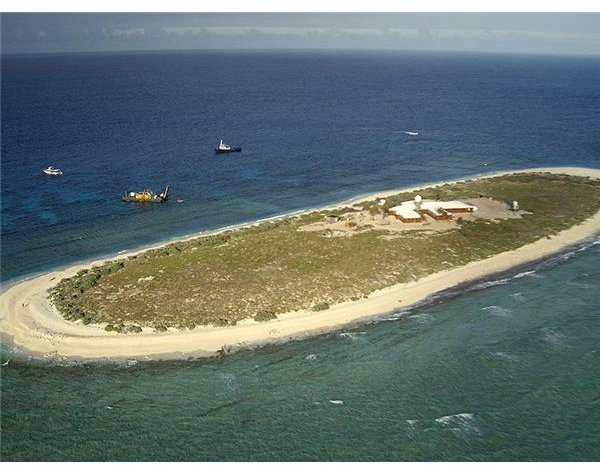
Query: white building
x,y
412,211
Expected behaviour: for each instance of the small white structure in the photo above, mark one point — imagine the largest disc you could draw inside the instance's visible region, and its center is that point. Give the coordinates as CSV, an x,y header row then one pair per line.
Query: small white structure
x,y
418,200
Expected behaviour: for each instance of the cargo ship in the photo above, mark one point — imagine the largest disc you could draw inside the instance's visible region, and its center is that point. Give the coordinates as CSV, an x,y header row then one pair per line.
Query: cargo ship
x,y
146,195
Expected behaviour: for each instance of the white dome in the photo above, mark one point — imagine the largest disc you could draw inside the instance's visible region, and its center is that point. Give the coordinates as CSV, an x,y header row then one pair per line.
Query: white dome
x,y
418,198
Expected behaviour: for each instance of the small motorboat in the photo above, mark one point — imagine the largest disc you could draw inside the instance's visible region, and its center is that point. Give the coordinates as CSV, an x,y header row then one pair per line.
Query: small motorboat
x,y
52,171
411,133
223,148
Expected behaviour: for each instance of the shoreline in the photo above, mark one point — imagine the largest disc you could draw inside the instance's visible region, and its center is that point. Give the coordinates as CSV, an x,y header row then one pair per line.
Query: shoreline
x,y
34,327
123,254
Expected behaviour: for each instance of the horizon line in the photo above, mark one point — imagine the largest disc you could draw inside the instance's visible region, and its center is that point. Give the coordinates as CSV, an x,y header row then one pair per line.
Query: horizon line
x,y
303,49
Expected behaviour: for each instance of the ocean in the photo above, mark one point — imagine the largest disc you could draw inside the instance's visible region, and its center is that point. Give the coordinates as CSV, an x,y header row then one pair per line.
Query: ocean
x,y
504,370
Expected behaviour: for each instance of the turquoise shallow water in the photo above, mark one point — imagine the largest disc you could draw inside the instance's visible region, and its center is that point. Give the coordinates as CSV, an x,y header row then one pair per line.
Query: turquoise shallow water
x,y
508,371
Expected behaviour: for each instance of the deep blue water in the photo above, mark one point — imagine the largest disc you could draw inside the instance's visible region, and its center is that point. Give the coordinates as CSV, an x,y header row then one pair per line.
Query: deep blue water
x,y
314,127
508,372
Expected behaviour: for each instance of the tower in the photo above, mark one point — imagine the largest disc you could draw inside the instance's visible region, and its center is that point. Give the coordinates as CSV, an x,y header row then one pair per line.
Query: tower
x,y
418,200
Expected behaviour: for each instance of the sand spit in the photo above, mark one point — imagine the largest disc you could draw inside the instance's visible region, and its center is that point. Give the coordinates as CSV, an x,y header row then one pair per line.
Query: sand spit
x,y
30,323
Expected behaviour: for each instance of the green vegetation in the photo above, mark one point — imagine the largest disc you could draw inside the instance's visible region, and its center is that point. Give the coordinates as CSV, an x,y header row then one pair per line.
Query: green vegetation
x,y
262,316
320,307
273,267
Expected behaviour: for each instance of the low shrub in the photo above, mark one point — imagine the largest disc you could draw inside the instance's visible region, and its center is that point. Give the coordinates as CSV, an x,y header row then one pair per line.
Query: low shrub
x,y
320,307
222,322
262,316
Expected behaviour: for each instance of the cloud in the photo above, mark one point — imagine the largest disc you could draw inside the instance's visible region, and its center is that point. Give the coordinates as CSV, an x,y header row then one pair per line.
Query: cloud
x,y
75,32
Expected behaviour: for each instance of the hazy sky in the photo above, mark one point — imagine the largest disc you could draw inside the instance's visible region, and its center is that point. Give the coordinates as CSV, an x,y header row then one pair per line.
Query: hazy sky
x,y
561,33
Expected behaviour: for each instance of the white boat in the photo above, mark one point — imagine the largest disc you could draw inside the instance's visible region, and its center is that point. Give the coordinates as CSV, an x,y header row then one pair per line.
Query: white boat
x,y
223,148
52,171
411,133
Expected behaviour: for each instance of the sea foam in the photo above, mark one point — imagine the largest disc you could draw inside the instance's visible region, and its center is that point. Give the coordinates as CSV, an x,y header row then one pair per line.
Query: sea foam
x,y
461,421
505,356
553,336
498,311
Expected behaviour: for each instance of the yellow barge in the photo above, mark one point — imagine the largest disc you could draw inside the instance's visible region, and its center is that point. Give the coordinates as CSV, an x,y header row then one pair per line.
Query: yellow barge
x,y
146,195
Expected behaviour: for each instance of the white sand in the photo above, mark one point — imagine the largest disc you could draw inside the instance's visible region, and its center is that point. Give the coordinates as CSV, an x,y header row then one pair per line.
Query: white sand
x,y
34,326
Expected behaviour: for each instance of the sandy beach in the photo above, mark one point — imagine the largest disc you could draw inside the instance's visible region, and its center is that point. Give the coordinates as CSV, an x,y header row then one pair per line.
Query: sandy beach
x,y
32,326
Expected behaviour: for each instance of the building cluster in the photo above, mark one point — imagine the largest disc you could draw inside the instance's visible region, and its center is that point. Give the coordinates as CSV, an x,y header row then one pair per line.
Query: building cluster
x,y
413,211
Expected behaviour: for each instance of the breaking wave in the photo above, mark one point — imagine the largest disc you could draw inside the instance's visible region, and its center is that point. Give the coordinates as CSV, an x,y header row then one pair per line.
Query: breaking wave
x,y
354,336
553,336
498,311
518,297
461,421
505,356
505,278
394,316
421,318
